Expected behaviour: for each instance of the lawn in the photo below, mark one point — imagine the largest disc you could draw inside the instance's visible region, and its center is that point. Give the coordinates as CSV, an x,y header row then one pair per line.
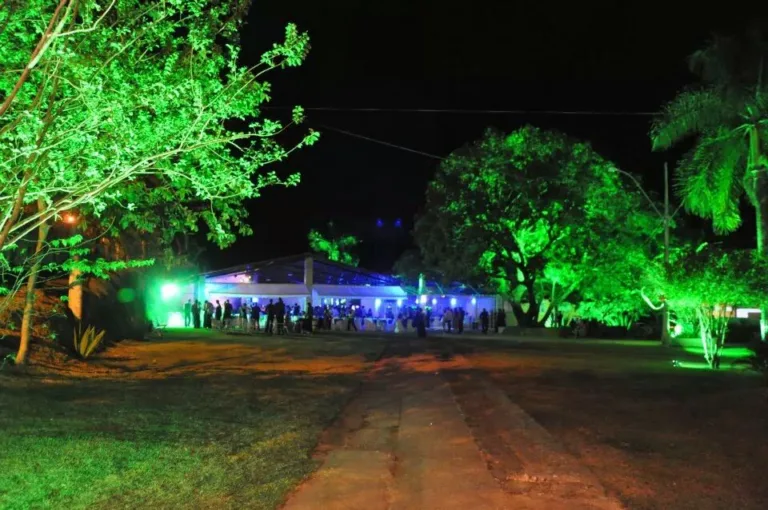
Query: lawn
x,y
657,436
195,420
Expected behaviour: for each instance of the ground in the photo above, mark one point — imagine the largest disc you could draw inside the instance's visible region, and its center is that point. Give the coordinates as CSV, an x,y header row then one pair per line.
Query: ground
x,y
190,421
657,436
218,421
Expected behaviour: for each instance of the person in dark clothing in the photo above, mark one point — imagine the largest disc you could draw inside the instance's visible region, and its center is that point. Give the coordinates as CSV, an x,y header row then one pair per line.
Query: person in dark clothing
x,y
280,316
196,314
188,313
296,310
270,317
256,316
217,312
484,321
501,319
420,322
227,317
208,315
460,320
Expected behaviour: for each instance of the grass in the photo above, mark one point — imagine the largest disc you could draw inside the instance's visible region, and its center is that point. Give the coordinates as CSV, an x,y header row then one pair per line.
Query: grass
x,y
189,421
657,436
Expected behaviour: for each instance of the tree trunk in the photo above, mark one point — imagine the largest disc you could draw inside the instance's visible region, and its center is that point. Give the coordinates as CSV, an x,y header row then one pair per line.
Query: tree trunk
x,y
761,213
29,302
532,315
75,294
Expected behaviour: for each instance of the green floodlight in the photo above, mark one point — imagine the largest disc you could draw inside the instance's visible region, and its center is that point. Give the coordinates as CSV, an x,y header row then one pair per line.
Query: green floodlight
x,y
169,291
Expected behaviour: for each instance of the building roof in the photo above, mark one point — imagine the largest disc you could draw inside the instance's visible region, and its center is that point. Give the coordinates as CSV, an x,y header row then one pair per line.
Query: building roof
x,y
291,270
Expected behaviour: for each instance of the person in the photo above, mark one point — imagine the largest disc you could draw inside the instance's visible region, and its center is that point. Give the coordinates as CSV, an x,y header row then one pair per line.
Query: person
x,y
351,321
208,315
280,316
244,316
270,317
217,314
196,314
460,320
484,321
227,314
420,323
501,320
255,316
447,320
188,313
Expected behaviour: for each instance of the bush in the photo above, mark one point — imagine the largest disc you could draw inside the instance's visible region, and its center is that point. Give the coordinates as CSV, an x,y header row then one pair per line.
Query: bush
x,y
86,342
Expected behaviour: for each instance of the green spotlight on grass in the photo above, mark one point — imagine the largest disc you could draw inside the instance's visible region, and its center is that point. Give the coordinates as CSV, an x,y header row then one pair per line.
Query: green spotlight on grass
x,y
169,291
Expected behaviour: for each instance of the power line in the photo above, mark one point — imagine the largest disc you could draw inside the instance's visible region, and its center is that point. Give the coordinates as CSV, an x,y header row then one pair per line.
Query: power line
x,y
594,113
374,140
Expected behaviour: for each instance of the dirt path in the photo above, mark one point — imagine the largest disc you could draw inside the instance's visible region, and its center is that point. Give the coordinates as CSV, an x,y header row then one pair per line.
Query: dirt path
x,y
404,443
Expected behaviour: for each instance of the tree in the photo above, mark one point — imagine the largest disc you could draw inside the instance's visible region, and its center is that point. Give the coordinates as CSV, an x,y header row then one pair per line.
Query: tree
x,y
137,106
528,212
116,107
611,296
705,285
335,247
727,116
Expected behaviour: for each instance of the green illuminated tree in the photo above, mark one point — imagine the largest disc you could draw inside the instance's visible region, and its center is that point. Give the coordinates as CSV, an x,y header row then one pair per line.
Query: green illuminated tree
x,y
727,116
334,247
137,106
705,285
525,211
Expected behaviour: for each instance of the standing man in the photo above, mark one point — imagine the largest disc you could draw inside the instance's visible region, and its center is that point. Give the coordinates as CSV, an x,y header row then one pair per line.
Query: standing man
x,y
196,314
227,314
188,313
484,321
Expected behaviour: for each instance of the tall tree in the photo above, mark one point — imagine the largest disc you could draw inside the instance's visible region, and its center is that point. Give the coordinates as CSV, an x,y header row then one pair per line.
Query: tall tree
x,y
334,246
137,106
527,212
705,286
133,103
727,116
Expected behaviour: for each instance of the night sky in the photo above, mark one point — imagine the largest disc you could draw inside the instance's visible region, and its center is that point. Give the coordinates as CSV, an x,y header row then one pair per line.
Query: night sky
x,y
503,55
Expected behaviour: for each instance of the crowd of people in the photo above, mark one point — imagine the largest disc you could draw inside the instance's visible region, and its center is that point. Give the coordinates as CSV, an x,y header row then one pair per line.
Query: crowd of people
x,y
276,317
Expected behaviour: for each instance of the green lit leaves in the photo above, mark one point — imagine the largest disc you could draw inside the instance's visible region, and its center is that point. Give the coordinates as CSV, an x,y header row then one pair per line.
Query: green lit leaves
x,y
142,117
527,207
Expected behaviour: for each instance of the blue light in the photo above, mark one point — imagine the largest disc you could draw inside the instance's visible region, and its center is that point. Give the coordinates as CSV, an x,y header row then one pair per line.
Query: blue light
x,y
398,223
379,223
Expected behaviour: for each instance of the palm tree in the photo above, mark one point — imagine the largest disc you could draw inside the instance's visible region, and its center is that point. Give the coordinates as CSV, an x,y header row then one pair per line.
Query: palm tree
x,y
336,248
727,115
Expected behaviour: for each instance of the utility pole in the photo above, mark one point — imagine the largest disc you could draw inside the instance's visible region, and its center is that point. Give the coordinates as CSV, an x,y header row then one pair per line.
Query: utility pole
x,y
665,338
666,218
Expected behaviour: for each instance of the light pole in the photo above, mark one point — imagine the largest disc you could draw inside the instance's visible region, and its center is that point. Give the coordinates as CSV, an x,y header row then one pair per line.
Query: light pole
x,y
666,220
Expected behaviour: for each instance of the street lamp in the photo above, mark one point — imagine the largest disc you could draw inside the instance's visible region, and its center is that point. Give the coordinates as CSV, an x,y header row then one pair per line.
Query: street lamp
x,y
666,218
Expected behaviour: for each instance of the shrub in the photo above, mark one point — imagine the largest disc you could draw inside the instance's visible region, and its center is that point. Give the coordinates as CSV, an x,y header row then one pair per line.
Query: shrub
x,y
86,342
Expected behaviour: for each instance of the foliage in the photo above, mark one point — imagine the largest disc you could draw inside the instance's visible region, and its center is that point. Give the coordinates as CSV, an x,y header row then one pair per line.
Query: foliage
x,y
87,341
530,208
8,359
704,285
140,106
335,247
728,116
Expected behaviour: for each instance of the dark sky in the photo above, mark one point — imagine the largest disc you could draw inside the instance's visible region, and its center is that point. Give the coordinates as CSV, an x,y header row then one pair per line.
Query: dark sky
x,y
511,55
